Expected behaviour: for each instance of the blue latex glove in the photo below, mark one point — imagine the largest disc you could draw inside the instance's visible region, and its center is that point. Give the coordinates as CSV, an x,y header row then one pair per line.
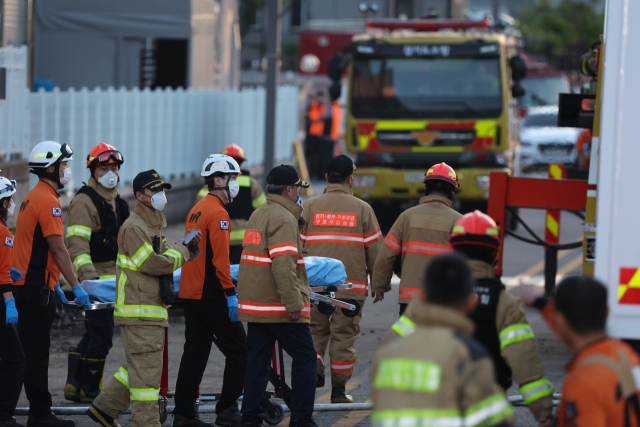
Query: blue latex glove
x,y
60,297
12,313
82,298
15,275
232,303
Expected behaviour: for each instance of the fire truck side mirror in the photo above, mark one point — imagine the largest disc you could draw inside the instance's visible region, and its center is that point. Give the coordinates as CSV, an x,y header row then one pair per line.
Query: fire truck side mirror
x,y
518,68
517,90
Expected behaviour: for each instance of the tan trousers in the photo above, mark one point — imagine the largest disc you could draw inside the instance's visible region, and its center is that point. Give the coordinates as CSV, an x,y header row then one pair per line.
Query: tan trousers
x,y
339,333
137,383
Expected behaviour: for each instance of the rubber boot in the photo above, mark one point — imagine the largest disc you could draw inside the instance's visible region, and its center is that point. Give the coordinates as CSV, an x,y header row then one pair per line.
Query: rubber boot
x,y
338,396
72,388
92,372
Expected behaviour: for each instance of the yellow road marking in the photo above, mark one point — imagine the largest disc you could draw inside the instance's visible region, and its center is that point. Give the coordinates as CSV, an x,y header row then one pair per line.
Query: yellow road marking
x,y
568,268
352,418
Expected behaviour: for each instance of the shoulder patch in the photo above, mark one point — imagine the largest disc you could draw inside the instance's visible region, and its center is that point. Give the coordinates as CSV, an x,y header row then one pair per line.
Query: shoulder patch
x,y
252,237
8,241
224,225
476,350
57,212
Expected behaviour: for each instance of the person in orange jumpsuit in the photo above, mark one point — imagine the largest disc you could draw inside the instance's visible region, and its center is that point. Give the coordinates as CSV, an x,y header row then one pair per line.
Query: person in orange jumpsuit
x,y
600,388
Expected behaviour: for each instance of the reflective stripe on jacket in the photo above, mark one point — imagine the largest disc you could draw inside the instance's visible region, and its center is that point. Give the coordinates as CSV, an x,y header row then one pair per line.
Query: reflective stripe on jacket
x,y
340,226
449,382
272,280
419,234
138,267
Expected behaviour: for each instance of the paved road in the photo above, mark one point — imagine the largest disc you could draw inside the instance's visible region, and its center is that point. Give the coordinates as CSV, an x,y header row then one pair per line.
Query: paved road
x,y
521,261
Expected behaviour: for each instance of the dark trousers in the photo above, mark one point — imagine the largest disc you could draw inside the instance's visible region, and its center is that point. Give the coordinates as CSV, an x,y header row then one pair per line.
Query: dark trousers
x,y
312,154
208,321
11,366
295,339
403,307
235,252
34,329
326,153
98,334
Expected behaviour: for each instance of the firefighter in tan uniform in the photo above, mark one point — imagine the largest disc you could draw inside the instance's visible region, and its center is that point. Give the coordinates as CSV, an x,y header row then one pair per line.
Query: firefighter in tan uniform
x,y
501,325
419,234
340,226
450,381
250,198
140,310
273,297
95,216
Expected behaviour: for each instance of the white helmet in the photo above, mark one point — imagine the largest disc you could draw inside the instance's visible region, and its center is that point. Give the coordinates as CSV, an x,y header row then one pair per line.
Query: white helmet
x,y
219,163
7,187
47,153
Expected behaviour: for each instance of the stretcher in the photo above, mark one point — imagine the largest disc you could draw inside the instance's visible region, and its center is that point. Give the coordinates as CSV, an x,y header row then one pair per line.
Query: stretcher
x,y
326,277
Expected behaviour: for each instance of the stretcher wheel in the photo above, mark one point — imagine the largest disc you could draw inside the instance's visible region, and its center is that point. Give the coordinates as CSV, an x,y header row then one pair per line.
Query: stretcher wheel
x,y
326,309
162,408
274,415
349,313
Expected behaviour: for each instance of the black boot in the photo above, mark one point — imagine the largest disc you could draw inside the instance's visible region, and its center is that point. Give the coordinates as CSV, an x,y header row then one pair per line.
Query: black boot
x,y
12,422
300,423
182,421
229,417
320,381
72,388
92,371
101,418
338,396
48,420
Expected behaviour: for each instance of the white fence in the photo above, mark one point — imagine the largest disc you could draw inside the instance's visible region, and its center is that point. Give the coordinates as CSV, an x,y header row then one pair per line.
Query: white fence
x,y
14,110
169,130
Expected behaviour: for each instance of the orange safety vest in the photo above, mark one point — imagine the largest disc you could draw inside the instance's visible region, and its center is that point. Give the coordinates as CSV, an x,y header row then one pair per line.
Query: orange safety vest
x,y
336,120
316,111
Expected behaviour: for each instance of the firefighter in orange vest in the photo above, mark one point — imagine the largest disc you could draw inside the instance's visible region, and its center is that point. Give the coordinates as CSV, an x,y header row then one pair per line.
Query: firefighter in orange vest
x,y
210,302
601,387
315,130
332,129
250,198
419,234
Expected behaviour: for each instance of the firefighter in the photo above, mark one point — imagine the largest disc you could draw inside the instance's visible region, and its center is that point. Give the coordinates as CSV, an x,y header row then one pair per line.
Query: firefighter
x,y
95,216
419,234
273,297
41,255
343,227
332,128
450,381
11,354
210,302
501,325
601,386
250,198
140,310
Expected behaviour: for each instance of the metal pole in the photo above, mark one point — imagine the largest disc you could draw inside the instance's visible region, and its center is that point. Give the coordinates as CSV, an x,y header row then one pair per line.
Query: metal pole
x,y
392,8
273,68
550,271
496,11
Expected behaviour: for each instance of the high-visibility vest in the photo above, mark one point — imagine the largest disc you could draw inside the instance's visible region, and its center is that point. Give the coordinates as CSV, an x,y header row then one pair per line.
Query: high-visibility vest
x,y
316,111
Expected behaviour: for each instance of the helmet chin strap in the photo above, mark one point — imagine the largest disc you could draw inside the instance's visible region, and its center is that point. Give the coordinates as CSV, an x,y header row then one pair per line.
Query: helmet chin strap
x,y
226,188
55,175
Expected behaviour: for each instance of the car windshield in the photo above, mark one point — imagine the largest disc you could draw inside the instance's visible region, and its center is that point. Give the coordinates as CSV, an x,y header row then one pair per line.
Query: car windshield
x,y
543,91
426,88
541,120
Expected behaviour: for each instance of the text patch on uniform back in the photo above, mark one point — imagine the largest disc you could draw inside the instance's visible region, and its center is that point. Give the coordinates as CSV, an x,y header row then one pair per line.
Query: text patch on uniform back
x,y
431,222
252,237
322,219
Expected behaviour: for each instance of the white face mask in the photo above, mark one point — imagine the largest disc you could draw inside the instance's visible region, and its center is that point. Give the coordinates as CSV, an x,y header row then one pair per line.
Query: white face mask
x,y
159,201
66,179
109,180
10,209
234,189
300,202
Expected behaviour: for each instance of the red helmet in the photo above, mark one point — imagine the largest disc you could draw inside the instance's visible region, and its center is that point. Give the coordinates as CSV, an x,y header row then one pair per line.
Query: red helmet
x,y
234,151
475,228
104,154
443,172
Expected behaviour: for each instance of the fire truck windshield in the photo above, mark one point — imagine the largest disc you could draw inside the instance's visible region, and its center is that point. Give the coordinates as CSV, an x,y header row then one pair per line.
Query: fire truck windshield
x,y
406,88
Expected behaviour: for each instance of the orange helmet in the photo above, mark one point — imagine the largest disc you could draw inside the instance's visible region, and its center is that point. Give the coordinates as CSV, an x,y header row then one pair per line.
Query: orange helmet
x,y
104,154
475,228
234,151
443,172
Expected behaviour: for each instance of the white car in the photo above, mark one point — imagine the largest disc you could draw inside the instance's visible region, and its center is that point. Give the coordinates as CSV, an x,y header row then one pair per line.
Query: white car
x,y
542,142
